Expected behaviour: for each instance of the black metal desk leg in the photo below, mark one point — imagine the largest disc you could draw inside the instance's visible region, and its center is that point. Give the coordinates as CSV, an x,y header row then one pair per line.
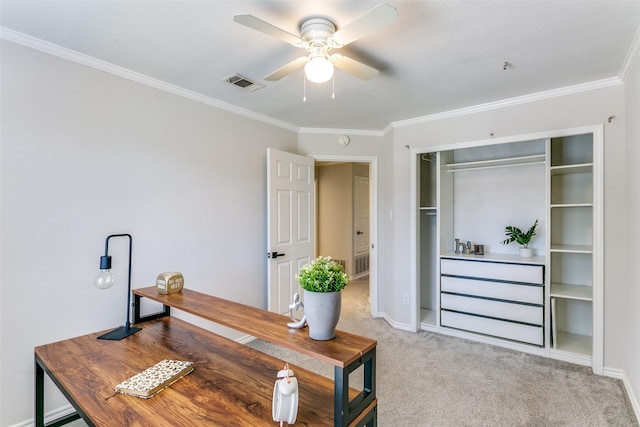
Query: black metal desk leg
x,y
341,397
370,374
345,410
39,401
139,318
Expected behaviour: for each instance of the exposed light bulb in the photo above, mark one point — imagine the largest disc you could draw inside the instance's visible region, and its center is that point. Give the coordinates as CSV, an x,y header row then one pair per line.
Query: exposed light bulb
x,y
104,280
318,69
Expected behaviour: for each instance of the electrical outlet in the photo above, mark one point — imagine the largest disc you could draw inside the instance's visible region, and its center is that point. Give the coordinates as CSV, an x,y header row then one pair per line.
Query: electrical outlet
x,y
405,299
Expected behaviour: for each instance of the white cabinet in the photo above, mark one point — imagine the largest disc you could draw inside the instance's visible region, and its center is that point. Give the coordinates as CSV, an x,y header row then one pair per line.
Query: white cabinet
x,y
551,304
504,300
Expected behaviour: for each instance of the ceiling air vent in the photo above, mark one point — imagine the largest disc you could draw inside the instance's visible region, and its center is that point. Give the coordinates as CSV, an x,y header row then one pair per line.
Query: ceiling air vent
x,y
243,83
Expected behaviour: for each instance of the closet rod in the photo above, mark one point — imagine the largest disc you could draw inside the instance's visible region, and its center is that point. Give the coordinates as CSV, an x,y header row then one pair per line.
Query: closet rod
x,y
495,166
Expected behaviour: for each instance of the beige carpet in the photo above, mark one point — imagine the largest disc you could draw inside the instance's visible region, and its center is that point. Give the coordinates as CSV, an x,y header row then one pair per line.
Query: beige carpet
x,y
427,379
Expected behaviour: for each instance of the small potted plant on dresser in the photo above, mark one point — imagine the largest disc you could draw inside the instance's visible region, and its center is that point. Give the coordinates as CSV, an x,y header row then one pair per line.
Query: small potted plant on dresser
x,y
322,281
514,234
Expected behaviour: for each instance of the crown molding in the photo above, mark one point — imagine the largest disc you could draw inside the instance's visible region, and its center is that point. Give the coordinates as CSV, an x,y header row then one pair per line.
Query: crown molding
x,y
323,131
633,55
509,102
89,61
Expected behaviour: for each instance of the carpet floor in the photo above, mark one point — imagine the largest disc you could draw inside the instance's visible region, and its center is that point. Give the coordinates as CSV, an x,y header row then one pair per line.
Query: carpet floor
x,y
428,379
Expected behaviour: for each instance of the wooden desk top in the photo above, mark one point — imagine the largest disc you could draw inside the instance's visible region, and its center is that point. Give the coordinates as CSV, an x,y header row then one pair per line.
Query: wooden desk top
x,y
231,385
272,327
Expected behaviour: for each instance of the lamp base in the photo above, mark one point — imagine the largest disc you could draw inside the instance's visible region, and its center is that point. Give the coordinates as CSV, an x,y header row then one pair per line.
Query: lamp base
x,y
119,333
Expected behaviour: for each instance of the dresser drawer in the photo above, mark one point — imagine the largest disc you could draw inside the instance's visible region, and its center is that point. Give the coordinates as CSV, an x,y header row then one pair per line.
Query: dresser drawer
x,y
500,290
498,328
503,310
525,273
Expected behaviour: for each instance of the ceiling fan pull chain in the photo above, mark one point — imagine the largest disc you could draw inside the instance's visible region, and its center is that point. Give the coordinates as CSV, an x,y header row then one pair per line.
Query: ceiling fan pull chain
x,y
304,88
333,92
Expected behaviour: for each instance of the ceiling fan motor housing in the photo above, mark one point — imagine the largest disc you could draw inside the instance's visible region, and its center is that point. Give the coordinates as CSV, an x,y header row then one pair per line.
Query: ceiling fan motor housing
x,y
317,30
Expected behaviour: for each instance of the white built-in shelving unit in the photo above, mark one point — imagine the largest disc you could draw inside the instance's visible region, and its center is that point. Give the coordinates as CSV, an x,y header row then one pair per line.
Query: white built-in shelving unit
x,y
575,247
472,191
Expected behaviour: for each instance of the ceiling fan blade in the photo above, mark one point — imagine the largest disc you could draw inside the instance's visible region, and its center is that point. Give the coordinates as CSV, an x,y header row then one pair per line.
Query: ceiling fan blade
x,y
266,28
378,17
354,67
287,69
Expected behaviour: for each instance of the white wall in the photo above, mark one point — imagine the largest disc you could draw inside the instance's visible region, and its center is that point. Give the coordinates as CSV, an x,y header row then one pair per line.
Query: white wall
x,y
582,109
85,154
632,228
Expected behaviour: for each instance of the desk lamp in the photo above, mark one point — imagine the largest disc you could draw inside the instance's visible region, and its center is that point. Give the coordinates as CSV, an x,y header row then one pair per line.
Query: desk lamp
x,y
105,280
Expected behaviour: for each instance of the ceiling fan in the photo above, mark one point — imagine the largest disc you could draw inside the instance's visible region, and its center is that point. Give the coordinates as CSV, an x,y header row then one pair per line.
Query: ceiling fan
x,y
319,36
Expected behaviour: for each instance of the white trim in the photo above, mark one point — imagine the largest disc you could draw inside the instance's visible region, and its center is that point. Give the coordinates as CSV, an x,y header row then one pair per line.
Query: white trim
x,y
49,416
396,325
323,131
98,64
597,355
632,57
509,102
544,134
632,397
373,218
414,294
613,373
246,339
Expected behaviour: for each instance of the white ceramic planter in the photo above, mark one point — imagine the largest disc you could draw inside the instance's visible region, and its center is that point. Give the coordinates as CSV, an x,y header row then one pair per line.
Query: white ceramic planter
x,y
525,252
322,311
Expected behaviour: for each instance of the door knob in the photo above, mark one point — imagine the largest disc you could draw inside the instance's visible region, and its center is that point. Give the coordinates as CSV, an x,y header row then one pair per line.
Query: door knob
x,y
359,232
274,255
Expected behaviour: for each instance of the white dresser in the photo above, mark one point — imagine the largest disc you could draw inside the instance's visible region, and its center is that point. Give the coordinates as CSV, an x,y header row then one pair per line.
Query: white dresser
x,y
496,298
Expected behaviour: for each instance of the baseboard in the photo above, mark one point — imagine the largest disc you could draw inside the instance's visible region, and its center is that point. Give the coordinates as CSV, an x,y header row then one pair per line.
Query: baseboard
x,y
394,324
245,339
632,397
49,416
613,373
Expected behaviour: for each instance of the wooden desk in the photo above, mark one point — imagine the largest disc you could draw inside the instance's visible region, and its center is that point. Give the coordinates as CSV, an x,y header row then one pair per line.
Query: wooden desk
x,y
231,385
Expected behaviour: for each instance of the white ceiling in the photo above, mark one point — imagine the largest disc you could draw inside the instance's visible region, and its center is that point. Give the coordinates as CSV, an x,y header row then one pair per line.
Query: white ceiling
x,y
438,56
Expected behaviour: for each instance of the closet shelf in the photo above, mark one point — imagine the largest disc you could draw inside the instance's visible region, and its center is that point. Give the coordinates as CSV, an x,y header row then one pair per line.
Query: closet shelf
x,y
573,343
578,292
497,163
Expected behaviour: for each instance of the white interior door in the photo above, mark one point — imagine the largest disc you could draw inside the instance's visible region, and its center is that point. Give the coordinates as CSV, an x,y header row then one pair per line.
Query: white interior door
x,y
289,224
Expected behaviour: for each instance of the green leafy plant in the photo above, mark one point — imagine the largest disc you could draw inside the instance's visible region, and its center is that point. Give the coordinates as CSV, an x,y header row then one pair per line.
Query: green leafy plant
x,y
322,275
516,235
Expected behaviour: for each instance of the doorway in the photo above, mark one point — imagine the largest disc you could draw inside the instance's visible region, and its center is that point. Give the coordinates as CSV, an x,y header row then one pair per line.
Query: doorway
x,y
345,226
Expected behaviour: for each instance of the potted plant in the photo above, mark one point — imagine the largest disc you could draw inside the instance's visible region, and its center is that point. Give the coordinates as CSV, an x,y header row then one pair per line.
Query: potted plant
x,y
322,280
516,235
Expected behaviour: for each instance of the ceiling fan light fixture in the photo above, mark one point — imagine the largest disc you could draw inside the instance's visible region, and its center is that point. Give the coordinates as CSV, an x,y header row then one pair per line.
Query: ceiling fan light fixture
x,y
318,69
